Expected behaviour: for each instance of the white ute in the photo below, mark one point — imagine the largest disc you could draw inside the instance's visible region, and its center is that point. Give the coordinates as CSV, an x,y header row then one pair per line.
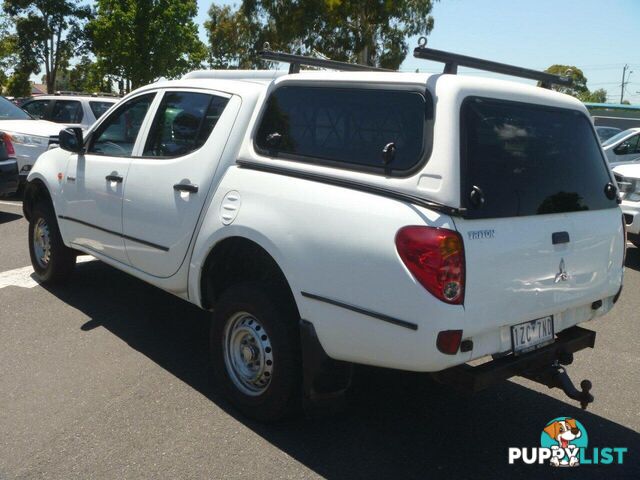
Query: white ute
x,y
408,221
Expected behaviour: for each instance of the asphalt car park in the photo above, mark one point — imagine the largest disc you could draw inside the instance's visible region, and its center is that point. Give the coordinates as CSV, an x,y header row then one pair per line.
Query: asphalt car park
x,y
107,377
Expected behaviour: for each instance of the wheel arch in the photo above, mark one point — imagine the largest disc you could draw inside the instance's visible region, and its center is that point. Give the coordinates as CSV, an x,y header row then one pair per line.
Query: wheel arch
x,y
237,259
35,191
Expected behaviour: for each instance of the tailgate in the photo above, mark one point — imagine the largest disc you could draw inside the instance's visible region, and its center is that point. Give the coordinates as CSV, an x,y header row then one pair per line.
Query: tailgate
x,y
542,230
516,273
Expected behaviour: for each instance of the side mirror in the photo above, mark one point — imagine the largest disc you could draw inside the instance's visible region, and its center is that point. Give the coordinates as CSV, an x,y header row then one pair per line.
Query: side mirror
x,y
71,139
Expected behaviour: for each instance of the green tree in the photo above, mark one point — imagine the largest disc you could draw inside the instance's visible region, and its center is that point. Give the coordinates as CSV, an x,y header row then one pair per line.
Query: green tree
x,y
8,45
18,84
231,38
142,40
597,96
371,32
47,33
579,80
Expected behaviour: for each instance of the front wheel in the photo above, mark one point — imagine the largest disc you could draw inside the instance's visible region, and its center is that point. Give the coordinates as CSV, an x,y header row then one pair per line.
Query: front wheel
x,y
51,259
255,350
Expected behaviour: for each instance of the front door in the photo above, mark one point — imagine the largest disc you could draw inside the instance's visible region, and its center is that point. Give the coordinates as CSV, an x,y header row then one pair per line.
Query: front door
x,y
167,184
94,181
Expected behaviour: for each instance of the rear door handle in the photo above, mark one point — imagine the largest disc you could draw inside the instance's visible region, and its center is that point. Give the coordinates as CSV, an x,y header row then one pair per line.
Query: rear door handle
x,y
186,187
114,177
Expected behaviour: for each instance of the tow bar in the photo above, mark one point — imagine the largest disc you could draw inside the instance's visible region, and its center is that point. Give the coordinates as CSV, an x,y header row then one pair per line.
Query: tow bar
x,y
556,376
544,366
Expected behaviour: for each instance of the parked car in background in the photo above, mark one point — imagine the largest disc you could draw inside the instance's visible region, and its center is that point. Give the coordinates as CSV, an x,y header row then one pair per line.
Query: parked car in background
x,y
29,137
623,147
8,167
605,133
628,179
71,110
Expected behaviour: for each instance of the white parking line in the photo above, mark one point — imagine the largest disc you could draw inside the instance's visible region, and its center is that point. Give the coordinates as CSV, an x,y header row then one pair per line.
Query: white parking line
x,y
13,204
24,278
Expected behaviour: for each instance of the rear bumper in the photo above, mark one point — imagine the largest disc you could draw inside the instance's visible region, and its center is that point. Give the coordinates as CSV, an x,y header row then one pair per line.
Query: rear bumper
x,y
474,379
8,177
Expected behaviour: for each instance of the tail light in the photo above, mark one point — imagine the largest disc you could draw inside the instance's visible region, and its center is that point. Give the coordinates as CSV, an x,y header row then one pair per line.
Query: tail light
x,y
11,151
435,257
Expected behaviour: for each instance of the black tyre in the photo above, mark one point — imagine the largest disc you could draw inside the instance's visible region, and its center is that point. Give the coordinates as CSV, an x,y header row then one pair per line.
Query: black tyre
x,y
52,261
255,350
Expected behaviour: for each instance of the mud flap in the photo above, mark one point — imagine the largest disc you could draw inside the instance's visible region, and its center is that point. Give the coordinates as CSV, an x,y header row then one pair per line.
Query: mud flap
x,y
325,381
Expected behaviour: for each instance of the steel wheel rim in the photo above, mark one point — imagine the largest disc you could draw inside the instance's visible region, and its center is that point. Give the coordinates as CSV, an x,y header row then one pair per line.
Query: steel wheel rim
x,y
248,355
42,243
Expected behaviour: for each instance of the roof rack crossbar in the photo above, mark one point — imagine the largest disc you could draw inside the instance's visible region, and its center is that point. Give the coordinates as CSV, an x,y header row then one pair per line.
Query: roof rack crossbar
x,y
296,61
453,60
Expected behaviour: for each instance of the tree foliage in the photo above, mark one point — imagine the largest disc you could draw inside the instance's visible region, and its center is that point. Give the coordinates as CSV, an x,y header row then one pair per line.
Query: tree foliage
x,y
48,33
142,40
579,88
371,32
85,76
579,80
597,96
231,38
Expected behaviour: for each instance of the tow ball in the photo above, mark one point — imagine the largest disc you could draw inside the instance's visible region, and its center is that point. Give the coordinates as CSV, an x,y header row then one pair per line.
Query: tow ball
x,y
556,376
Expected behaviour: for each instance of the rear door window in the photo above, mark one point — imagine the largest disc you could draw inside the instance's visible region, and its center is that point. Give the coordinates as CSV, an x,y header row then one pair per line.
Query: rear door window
x,y
183,123
524,159
37,108
347,127
98,108
67,111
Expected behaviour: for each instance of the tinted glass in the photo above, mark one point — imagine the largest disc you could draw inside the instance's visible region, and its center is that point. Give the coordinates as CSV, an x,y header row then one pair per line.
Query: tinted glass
x,y
345,126
616,138
605,133
67,111
117,135
628,147
9,111
36,108
183,123
98,108
530,160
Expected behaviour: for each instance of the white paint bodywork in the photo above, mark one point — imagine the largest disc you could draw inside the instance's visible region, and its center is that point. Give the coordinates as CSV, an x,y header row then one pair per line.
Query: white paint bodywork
x,y
338,242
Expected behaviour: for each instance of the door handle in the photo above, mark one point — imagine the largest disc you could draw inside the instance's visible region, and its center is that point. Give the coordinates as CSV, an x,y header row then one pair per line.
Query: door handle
x,y
186,187
114,177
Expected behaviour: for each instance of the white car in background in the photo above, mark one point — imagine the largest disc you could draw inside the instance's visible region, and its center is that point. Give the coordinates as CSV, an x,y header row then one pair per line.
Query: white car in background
x,y
628,179
28,136
623,147
70,110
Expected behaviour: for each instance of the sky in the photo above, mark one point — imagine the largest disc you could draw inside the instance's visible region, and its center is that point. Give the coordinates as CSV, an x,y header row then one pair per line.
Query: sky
x,y
597,36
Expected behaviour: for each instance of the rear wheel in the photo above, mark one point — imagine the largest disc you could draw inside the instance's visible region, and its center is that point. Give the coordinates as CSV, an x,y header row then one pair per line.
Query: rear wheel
x,y
51,259
255,350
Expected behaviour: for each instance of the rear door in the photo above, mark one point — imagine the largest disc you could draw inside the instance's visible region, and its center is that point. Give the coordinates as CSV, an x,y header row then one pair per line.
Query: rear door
x,y
168,182
541,234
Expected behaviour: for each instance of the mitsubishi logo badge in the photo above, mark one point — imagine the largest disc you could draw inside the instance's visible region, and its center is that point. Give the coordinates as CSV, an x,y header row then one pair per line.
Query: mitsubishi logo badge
x,y
562,275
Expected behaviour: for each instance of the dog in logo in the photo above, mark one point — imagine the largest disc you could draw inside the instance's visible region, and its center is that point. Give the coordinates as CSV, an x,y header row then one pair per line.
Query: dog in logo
x,y
564,432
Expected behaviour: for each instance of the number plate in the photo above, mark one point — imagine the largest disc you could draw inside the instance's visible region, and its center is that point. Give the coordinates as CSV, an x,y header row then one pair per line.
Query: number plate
x,y
528,336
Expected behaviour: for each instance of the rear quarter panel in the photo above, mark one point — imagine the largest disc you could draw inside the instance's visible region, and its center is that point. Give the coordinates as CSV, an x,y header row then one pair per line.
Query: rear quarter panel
x,y
339,244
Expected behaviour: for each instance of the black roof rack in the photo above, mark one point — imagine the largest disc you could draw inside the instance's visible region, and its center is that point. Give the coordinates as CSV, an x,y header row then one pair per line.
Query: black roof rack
x,y
295,61
453,60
